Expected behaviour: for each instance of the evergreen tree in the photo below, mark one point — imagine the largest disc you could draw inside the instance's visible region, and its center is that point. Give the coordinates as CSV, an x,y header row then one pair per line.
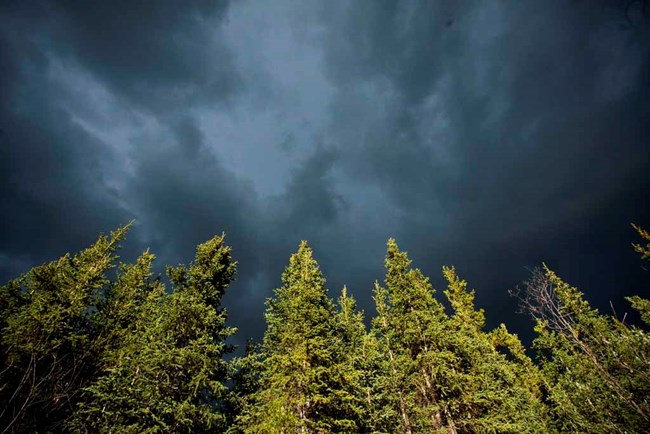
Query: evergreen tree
x,y
48,346
355,368
499,385
408,322
245,385
301,390
595,367
84,353
166,372
373,400
443,373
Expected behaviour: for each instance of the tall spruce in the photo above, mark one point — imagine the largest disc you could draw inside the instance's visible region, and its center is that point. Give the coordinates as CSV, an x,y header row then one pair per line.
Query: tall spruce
x,y
355,368
408,322
301,383
167,371
497,387
442,373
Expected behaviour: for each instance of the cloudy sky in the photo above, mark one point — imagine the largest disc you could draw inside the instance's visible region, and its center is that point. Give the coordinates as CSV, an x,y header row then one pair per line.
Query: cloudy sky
x,y
492,135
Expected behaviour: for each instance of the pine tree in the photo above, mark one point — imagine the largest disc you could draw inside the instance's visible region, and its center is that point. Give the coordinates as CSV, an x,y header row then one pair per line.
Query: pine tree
x,y
166,372
301,390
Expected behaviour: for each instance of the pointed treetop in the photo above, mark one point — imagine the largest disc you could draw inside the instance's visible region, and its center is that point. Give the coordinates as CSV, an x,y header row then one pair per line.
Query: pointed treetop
x,y
304,254
303,267
397,264
347,305
394,256
346,300
462,300
304,246
211,272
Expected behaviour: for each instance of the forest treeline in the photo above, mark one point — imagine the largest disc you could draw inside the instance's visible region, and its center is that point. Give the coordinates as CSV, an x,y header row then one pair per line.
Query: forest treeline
x,y
87,349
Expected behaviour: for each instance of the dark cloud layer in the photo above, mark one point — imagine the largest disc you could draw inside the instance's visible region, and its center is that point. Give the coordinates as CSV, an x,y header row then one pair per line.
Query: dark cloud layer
x,y
490,135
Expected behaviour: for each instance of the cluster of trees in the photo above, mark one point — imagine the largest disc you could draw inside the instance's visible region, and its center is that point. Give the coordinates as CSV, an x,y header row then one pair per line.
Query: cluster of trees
x,y
84,353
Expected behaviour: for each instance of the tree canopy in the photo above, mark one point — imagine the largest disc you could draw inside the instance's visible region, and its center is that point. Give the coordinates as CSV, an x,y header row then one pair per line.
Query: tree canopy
x,y
90,344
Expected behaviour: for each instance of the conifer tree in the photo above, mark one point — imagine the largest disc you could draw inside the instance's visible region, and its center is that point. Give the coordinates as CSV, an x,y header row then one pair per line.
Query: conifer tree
x,y
443,373
499,385
595,367
245,385
408,321
301,390
166,373
48,347
355,367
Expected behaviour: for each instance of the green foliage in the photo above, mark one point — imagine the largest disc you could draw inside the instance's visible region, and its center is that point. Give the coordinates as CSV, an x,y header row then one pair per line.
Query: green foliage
x,y
442,372
305,383
166,373
245,386
353,372
639,248
84,353
48,346
642,306
595,367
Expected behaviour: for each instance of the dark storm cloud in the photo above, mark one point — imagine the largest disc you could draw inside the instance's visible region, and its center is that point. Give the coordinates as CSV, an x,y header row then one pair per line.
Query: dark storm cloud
x,y
53,192
308,209
184,196
154,54
310,201
58,178
506,126
490,135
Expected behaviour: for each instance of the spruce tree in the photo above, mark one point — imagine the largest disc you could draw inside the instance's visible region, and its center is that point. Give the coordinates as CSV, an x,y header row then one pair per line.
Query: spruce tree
x,y
497,385
167,371
442,373
408,321
49,351
355,367
301,390
595,366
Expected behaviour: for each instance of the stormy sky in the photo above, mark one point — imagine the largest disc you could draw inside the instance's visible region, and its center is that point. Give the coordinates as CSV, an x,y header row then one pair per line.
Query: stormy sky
x,y
492,135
